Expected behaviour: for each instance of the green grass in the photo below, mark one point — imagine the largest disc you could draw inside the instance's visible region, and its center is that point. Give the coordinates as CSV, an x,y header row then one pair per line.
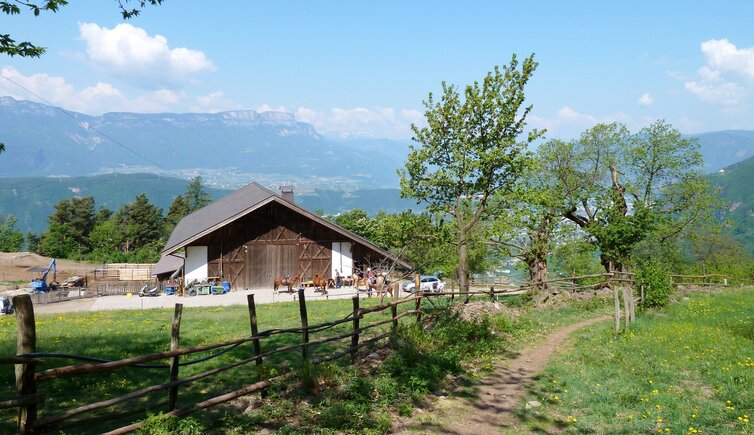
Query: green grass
x,y
684,369
332,397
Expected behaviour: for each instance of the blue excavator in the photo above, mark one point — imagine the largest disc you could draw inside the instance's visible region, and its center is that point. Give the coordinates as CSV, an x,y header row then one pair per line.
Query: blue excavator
x,y
40,284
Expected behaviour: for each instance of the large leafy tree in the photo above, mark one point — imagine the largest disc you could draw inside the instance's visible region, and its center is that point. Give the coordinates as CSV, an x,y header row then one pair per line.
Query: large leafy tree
x,y
620,188
68,228
472,149
142,225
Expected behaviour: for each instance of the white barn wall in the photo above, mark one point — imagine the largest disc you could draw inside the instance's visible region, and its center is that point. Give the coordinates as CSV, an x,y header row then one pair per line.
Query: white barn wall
x,y
196,263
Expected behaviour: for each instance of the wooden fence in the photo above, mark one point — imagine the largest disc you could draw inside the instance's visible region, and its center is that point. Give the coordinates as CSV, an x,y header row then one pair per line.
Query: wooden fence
x,y
30,397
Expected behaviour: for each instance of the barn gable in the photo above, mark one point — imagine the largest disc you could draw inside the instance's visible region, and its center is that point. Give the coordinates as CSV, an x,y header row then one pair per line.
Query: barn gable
x,y
253,235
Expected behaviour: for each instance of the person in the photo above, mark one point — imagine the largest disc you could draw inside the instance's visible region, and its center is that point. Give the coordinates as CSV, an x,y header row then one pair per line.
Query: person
x,y
370,275
337,279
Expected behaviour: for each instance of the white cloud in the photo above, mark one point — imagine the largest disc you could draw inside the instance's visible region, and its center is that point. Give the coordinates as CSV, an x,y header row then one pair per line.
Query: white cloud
x,y
723,93
646,99
133,55
568,122
719,81
723,55
383,122
104,97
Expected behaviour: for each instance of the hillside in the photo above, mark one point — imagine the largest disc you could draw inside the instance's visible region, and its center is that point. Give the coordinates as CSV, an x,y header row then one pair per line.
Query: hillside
x,y
738,191
32,199
724,148
232,146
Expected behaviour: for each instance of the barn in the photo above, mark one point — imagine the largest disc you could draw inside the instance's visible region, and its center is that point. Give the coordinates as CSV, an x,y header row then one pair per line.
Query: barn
x,y
253,235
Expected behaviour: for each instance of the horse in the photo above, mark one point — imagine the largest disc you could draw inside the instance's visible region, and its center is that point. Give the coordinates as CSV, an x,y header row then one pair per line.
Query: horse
x,y
320,283
382,286
288,283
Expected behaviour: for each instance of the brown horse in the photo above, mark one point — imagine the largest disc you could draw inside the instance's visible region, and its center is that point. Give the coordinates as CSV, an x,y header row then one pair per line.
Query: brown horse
x,y
320,283
382,286
288,283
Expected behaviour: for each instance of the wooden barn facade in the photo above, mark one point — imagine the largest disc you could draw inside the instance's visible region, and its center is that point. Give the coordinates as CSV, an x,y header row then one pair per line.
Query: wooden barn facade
x,y
254,235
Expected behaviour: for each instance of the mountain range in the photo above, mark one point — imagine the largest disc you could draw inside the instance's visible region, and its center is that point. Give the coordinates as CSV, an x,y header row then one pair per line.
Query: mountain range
x,y
228,148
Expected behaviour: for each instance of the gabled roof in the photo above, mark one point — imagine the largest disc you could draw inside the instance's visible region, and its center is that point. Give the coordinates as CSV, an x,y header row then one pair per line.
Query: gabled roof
x,y
240,203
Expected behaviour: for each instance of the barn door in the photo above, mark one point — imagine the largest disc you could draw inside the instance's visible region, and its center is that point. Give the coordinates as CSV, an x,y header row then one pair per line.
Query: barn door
x,y
234,267
268,261
314,258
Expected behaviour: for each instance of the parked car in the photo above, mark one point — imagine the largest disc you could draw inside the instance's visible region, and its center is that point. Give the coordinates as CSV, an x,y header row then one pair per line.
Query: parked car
x,y
427,283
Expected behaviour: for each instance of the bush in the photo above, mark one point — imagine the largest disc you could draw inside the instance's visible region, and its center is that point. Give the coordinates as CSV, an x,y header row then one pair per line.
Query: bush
x,y
161,424
656,281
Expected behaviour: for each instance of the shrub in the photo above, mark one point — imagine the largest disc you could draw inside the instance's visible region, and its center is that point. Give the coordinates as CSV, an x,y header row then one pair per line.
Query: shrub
x,y
161,424
656,281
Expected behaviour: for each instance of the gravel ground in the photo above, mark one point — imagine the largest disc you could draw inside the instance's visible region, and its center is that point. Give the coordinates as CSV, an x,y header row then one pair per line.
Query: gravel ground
x,y
233,298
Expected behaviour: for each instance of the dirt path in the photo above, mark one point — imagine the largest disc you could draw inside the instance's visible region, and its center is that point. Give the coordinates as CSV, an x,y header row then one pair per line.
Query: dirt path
x,y
492,406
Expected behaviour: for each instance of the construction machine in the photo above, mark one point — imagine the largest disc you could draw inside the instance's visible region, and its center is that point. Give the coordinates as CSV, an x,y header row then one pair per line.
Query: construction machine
x,y
40,284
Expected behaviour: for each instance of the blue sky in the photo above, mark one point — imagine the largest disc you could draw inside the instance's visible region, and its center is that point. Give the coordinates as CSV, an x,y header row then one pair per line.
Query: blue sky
x,y
357,68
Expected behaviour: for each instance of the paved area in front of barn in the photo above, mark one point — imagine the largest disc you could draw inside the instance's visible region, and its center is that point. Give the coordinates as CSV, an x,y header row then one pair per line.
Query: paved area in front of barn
x,y
135,302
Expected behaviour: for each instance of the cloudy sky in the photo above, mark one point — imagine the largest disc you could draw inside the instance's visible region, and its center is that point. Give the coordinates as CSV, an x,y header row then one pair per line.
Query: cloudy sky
x,y
357,68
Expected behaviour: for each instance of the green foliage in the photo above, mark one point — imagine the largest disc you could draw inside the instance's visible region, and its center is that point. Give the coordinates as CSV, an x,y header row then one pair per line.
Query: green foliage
x,y
656,169
716,253
470,151
655,278
195,196
576,257
58,242
142,225
179,208
72,221
10,238
161,424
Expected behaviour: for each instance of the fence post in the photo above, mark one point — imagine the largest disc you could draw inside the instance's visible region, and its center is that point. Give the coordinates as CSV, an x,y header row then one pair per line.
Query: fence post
x,y
254,332
26,343
304,325
617,311
175,340
394,314
418,307
355,336
642,294
626,307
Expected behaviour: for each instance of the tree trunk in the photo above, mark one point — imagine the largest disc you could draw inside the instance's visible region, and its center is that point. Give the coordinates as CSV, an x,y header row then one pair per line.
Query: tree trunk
x,y
463,264
538,272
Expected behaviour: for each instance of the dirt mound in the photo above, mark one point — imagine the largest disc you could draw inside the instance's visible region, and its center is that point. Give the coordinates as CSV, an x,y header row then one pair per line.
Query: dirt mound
x,y
14,265
475,311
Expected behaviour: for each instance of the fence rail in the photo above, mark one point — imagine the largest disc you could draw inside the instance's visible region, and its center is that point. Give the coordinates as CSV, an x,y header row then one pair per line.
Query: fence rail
x,y
28,379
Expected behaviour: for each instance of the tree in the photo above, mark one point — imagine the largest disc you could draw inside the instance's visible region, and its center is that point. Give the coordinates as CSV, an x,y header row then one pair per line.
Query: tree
x,y
27,49
142,225
527,219
620,187
10,238
195,196
358,222
179,208
69,227
470,151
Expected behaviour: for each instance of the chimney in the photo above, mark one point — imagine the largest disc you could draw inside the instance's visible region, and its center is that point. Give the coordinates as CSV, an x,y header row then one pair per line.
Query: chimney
x,y
286,192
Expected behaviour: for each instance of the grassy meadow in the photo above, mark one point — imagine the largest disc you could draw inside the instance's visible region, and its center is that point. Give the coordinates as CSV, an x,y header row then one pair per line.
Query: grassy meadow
x,y
686,369
339,398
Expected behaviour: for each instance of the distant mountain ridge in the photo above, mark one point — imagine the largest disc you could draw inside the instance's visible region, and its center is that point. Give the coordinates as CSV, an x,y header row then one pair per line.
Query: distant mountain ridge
x,y
737,189
724,148
43,140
